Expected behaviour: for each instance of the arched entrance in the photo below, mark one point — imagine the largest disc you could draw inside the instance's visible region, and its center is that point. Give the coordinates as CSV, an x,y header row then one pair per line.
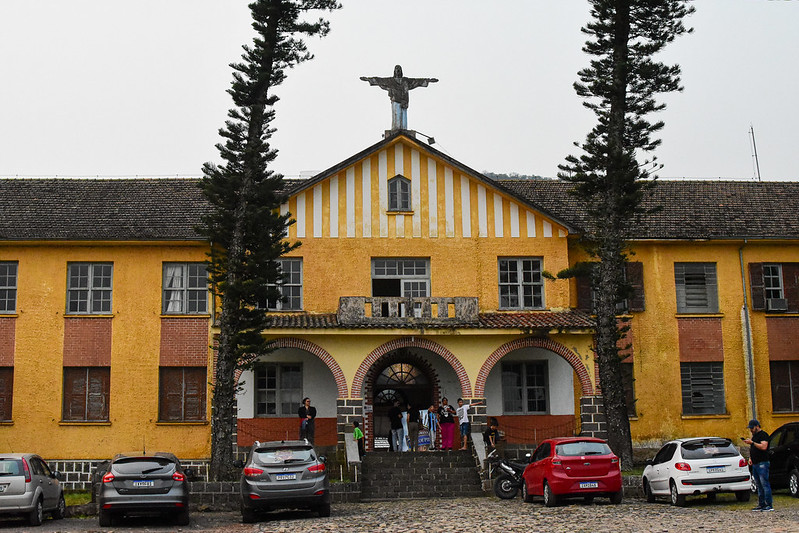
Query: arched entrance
x,y
404,375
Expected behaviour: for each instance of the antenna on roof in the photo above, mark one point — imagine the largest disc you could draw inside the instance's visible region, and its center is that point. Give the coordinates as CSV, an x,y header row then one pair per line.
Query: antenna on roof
x,y
754,151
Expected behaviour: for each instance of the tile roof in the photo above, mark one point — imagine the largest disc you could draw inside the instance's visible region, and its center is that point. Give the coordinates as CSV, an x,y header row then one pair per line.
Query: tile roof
x,y
100,209
691,209
570,319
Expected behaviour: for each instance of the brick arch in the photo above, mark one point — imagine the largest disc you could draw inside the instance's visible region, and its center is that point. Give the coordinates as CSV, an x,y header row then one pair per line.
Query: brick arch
x,y
321,353
411,342
534,342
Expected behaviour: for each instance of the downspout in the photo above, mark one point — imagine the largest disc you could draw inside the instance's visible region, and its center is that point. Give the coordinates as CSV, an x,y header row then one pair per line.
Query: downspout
x,y
747,341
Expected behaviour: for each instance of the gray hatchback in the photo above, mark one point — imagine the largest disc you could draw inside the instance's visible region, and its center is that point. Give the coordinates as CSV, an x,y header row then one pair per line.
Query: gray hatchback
x,y
29,488
283,475
144,484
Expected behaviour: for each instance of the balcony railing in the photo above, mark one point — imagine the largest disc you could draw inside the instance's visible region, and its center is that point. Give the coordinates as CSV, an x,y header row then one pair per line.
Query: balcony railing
x,y
380,310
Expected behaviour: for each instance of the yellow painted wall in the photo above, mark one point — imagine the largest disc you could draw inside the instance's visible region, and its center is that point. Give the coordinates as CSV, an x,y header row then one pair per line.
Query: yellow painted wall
x,y
38,359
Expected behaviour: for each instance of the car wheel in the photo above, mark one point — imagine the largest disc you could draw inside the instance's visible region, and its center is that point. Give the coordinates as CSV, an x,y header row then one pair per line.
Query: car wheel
x,y
793,483
676,498
323,510
248,516
617,497
648,492
526,497
106,518
61,510
36,515
550,500
182,518
505,487
743,495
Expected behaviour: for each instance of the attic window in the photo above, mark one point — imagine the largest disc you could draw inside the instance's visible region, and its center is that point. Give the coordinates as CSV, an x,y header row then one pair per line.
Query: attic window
x,y
399,193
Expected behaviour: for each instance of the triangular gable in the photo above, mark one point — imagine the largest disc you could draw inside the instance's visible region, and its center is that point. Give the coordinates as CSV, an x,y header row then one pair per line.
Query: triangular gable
x,y
448,199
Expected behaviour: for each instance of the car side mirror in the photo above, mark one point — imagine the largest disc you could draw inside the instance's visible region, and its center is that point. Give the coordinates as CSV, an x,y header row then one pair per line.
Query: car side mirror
x,y
55,474
650,462
323,459
529,457
238,463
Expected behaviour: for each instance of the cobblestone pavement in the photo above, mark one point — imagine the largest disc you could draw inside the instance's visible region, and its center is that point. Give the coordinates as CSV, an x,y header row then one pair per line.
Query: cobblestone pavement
x,y
473,515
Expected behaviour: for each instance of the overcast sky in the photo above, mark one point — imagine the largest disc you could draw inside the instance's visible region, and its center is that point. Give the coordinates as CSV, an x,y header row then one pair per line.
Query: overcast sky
x,y
121,88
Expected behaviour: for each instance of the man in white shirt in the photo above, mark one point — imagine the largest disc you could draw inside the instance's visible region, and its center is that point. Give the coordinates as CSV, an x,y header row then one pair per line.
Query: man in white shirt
x,y
463,416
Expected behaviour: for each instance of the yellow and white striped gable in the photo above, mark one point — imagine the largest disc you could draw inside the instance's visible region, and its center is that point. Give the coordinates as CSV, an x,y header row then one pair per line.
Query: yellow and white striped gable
x,y
448,200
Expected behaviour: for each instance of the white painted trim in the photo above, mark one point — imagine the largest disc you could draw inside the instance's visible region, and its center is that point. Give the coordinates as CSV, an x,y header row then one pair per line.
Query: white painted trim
x,y
498,216
482,212
317,210
334,206
449,203
530,224
382,189
514,220
366,186
350,202
547,228
416,193
301,215
466,207
432,196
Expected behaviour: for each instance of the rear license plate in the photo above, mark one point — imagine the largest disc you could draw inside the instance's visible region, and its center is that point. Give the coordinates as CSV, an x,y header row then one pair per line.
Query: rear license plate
x,y
715,469
140,484
589,484
285,477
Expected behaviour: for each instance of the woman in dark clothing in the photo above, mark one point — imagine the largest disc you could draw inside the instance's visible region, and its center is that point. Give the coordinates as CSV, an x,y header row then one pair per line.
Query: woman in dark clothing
x,y
413,428
446,416
308,415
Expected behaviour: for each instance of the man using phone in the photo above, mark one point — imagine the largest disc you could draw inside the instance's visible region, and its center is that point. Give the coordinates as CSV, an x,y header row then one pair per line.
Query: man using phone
x,y
758,458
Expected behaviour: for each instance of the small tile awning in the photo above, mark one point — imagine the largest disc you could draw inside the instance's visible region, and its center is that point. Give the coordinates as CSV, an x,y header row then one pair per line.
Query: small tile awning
x,y
567,319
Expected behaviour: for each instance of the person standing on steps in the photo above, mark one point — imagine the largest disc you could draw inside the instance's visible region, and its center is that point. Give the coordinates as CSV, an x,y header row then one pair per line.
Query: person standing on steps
x,y
463,417
397,433
308,416
758,458
446,417
413,428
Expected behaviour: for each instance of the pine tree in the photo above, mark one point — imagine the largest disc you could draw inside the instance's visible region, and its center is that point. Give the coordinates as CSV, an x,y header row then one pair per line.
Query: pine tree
x,y
620,87
244,227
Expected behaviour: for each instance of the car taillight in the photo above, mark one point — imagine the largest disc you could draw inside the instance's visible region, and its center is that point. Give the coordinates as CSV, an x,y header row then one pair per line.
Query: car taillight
x,y
317,468
27,470
614,460
249,471
108,478
742,462
685,467
177,476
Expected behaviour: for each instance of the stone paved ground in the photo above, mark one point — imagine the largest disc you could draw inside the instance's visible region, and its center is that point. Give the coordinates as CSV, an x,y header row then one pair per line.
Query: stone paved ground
x,y
474,515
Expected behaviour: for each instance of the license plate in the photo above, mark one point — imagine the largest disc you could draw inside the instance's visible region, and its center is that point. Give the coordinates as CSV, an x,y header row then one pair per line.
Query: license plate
x,y
589,484
715,469
285,477
140,484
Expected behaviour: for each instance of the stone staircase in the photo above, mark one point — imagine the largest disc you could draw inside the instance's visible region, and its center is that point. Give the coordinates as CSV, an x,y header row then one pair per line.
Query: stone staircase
x,y
391,475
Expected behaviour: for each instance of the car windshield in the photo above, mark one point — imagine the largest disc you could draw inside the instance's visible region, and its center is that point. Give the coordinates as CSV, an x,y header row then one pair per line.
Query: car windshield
x,y
708,448
283,455
10,467
582,448
143,465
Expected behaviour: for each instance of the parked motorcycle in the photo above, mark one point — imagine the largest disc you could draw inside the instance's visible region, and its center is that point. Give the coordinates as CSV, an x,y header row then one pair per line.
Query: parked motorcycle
x,y
508,483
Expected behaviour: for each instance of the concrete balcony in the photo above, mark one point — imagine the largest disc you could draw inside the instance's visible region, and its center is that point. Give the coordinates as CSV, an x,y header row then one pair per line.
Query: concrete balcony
x,y
385,311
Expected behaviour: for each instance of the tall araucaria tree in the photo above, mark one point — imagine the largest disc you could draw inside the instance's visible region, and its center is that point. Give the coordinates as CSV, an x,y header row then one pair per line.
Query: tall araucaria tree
x,y
244,227
620,86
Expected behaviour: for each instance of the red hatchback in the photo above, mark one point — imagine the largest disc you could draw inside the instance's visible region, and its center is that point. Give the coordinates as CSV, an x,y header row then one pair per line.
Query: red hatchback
x,y
572,467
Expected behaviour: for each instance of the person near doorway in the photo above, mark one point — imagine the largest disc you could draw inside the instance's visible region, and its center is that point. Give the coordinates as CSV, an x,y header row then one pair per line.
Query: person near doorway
x,y
413,428
758,458
357,436
404,445
308,416
491,435
397,433
432,425
463,418
446,417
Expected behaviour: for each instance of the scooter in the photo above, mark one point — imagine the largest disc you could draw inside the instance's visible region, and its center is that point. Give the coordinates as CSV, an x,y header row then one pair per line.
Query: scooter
x,y
508,483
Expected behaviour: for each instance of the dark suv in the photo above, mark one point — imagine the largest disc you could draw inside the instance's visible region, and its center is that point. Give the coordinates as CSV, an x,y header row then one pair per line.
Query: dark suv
x,y
783,450
144,484
283,475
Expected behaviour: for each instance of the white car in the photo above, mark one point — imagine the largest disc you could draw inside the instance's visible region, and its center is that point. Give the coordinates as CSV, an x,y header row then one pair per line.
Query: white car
x,y
700,465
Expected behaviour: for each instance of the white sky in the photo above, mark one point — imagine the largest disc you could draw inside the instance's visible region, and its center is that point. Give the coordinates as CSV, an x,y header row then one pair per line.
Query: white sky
x,y
113,88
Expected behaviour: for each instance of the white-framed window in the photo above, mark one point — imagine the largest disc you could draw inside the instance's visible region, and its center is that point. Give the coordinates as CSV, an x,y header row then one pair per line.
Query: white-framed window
x,y
8,286
399,193
772,281
185,289
525,387
702,388
278,389
521,285
89,288
290,287
406,277
696,287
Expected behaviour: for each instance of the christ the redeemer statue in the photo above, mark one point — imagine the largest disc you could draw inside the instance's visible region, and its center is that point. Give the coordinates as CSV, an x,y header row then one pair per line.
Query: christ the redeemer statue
x,y
398,87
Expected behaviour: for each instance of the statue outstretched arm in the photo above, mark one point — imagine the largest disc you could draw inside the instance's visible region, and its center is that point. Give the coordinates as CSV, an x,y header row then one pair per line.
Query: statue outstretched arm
x,y
420,82
382,82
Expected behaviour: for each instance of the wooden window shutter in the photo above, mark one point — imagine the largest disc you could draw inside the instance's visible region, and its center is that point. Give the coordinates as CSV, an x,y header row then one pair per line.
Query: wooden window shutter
x,y
756,284
635,277
74,394
194,390
584,292
170,400
97,394
790,284
6,392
